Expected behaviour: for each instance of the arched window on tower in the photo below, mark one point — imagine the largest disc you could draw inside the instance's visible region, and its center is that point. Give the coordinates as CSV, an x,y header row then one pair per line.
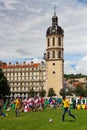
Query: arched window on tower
x,y
59,41
48,42
53,54
48,55
53,41
59,54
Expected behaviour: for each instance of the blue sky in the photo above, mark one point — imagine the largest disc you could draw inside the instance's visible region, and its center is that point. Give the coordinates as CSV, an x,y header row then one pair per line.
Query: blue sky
x,y
23,25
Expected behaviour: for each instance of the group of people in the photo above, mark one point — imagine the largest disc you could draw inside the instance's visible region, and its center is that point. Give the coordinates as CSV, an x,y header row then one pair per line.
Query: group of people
x,y
29,104
38,104
34,104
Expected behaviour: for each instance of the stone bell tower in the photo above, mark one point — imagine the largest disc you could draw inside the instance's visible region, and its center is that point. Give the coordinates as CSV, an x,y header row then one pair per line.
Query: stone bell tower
x,y
54,56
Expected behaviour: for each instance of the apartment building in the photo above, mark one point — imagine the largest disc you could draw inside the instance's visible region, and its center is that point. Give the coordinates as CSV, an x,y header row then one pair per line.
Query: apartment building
x,y
24,77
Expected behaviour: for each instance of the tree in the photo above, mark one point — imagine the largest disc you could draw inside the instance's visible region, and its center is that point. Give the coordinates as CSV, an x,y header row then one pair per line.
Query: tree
x,y
51,92
4,87
72,76
31,93
79,91
85,92
42,93
67,92
62,92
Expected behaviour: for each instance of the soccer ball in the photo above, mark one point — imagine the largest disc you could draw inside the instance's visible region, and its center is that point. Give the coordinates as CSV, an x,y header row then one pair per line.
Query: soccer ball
x,y
50,120
8,109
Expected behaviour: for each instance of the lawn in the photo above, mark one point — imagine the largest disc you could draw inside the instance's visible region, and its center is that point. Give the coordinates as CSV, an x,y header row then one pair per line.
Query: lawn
x,y
40,120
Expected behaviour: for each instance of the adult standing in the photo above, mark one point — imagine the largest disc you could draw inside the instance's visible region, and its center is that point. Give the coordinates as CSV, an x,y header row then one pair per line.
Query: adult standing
x,y
1,104
66,107
17,106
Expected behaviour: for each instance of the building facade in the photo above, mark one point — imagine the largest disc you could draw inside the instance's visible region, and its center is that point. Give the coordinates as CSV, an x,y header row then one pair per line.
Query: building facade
x,y
22,78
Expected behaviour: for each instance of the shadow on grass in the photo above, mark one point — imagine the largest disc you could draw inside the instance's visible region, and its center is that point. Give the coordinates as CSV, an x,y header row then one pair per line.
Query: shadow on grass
x,y
71,120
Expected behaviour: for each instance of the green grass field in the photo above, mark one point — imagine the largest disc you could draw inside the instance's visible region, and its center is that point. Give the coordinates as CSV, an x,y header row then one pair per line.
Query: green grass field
x,y
40,120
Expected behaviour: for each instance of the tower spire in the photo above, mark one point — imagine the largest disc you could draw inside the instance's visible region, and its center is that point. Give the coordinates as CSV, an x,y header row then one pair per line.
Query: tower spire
x,y
54,9
54,18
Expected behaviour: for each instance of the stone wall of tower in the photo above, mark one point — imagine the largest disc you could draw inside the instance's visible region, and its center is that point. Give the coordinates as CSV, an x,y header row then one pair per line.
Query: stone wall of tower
x,y
54,75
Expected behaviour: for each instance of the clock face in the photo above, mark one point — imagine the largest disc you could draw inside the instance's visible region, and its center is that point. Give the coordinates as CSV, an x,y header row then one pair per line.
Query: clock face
x,y
53,30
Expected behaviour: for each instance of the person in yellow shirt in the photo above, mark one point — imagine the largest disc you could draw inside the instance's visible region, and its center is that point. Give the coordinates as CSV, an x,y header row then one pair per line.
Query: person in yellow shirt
x,y
17,106
78,106
66,106
83,106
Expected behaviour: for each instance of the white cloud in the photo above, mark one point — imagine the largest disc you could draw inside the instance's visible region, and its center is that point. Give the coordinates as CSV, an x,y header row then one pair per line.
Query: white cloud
x,y
23,26
8,4
68,69
82,65
76,67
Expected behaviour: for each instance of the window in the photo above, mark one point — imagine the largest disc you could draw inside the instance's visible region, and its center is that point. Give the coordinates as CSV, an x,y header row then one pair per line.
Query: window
x,y
53,72
48,42
20,88
53,41
48,55
32,68
59,54
53,54
59,41
53,63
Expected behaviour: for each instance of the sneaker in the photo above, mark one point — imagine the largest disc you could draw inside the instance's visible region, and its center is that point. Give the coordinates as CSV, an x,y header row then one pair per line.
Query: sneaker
x,y
6,114
75,117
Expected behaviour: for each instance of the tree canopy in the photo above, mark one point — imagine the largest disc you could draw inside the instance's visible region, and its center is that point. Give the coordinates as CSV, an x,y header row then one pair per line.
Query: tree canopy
x,y
51,92
42,93
4,87
73,76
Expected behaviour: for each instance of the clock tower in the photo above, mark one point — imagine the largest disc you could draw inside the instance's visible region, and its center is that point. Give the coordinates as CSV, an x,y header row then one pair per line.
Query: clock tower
x,y
54,56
